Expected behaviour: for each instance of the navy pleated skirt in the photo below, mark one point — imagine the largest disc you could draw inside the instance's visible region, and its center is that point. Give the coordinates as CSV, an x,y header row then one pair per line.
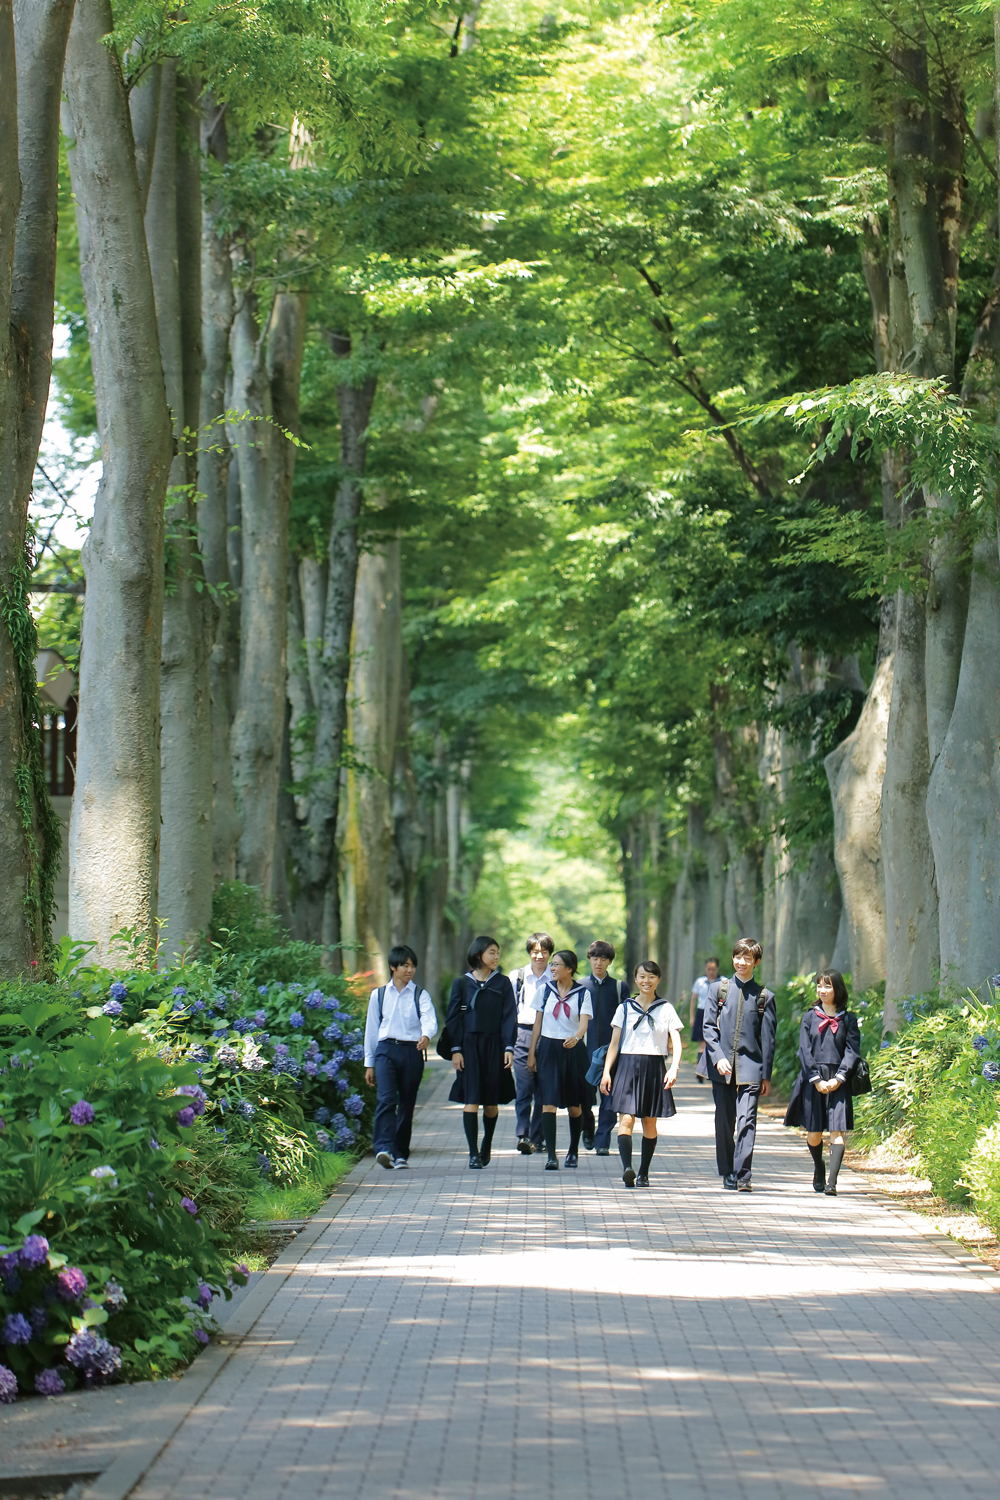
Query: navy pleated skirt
x,y
816,1112
637,1088
484,1079
560,1075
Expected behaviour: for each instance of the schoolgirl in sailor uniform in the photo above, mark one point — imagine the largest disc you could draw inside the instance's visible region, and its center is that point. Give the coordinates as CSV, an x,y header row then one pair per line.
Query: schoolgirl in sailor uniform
x,y
829,1048
558,1034
636,1077
482,1031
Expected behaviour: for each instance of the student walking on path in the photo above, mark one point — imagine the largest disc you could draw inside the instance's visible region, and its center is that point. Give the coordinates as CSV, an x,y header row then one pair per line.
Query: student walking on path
x,y
528,982
482,1032
699,997
559,1029
740,1025
606,995
829,1049
637,1081
400,1024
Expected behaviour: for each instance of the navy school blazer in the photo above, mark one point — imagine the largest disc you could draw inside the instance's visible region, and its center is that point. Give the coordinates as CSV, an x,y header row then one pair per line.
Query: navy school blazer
x,y
490,1007
755,1048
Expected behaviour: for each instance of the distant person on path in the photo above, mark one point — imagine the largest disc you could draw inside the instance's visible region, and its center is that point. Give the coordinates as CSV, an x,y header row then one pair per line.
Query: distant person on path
x,y
636,1079
482,1028
829,1048
740,1024
606,994
527,982
559,1030
400,1024
699,995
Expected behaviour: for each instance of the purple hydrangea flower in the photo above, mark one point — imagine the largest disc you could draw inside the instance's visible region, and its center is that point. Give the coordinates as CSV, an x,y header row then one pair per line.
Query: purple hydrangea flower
x,y
296,1020
185,1117
322,1115
356,1054
178,992
16,1329
197,1006
980,1043
49,1383
281,1049
199,1054
314,1000
242,1025
333,1033
204,1297
114,1297
309,1068
8,1386
34,1252
9,1272
245,1109
189,1205
264,1164
196,1094
354,1104
324,1141
39,1319
112,1008
338,1060
118,990
991,1071
3,1123
93,1356
227,1057
201,1335
345,1138
82,1113
71,1284
154,1144
260,1017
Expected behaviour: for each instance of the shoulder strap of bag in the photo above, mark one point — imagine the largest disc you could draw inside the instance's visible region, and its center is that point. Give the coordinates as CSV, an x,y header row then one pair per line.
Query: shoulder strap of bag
x,y
723,992
520,989
381,1001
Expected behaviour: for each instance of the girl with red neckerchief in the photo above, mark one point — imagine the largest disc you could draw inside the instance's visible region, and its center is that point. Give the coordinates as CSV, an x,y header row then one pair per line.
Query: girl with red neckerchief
x,y
829,1048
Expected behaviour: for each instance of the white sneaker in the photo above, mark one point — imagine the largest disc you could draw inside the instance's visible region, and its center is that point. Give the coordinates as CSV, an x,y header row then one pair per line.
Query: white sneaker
x,y
401,1164
384,1160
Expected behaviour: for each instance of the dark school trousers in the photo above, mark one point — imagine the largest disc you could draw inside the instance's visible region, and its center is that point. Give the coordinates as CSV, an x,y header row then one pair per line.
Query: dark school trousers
x,y
399,1068
607,1118
527,1100
735,1127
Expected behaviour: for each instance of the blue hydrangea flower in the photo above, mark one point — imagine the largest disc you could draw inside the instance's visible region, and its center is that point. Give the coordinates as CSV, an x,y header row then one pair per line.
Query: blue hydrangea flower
x,y
345,1138
995,981
102,1172
16,1329
339,1122
118,990
322,1115
354,1104
260,1017
49,1383
227,1057
309,1068
330,1004
333,1032
356,1054
980,1043
39,1319
34,1252
197,1005
177,1007
8,1386
93,1356
991,1071
314,1000
112,1008
262,989
242,1025
324,1141
114,1297
296,1020
219,1003
263,1162
342,1085
199,1054
245,1109
178,992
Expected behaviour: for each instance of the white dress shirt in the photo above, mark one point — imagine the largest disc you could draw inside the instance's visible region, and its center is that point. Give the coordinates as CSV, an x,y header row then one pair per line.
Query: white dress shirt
x,y
638,1036
578,1002
701,988
399,1018
530,991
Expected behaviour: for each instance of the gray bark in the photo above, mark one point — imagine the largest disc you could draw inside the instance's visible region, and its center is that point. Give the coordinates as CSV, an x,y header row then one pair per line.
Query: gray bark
x,y
173,234
258,726
214,460
32,49
329,666
115,827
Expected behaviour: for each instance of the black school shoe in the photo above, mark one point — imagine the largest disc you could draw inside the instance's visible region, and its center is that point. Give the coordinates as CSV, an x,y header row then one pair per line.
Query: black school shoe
x,y
729,1182
819,1179
524,1146
642,1180
485,1153
603,1151
475,1161
744,1187
571,1159
831,1191
628,1177
552,1165
588,1140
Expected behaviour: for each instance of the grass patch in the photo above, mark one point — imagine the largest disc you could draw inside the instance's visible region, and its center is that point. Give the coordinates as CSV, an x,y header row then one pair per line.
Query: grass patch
x,y
304,1197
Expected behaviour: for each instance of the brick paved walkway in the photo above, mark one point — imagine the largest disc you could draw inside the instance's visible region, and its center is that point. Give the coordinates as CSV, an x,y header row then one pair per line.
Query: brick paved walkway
x,y
514,1333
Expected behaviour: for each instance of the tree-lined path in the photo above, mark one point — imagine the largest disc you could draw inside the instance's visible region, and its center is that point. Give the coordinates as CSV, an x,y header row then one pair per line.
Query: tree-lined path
x,y
516,1333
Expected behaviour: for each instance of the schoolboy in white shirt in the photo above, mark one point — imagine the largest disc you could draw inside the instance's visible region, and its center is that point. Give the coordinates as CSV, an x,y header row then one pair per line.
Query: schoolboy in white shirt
x,y
400,1024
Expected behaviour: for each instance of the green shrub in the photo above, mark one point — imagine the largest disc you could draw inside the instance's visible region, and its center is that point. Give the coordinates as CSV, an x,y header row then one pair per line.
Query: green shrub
x,y
982,1176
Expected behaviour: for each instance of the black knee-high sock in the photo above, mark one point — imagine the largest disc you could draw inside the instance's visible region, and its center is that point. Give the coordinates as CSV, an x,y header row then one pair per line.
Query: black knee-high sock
x,y
646,1155
816,1152
836,1157
471,1123
489,1125
575,1127
549,1133
625,1150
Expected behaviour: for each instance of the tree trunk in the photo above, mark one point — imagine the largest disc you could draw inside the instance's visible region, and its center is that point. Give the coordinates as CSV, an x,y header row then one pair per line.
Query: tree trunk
x,y
329,667
115,826
32,50
633,848
173,234
214,460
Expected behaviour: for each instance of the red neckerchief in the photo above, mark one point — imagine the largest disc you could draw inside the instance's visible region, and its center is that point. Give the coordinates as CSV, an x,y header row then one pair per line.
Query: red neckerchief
x,y
825,1021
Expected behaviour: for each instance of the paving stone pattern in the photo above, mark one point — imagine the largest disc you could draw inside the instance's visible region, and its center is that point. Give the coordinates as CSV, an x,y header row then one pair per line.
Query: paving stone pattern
x,y
514,1332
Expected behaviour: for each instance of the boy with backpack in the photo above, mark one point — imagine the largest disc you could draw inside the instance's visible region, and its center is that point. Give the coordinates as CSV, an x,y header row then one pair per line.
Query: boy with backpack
x,y
740,1024
400,1023
606,993
529,981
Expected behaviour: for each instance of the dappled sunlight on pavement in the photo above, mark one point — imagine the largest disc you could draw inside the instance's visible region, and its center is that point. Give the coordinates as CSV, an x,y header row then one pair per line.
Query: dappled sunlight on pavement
x,y
515,1333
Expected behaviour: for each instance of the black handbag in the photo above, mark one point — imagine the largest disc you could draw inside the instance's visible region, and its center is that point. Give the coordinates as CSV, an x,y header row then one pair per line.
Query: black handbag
x,y
861,1078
